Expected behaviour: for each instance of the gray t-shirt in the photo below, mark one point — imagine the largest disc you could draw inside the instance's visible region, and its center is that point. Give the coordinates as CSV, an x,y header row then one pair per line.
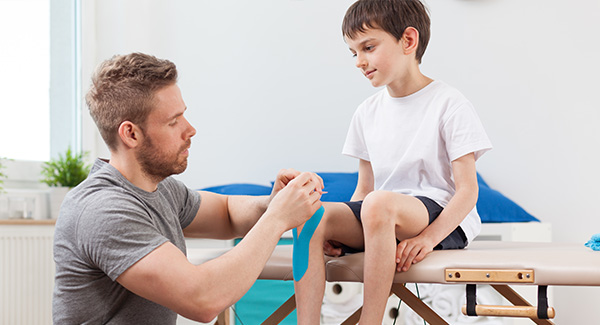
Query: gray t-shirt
x,y
106,224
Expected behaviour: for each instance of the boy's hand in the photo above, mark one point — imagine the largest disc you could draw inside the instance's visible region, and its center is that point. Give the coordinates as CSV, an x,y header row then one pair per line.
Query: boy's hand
x,y
411,251
332,248
298,200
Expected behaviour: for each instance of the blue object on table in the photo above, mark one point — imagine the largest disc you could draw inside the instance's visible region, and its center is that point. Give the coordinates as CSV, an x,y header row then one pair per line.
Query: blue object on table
x,y
594,242
240,189
302,243
494,207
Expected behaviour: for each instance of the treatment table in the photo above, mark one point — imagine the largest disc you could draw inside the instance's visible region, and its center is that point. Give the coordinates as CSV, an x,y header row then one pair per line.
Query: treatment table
x,y
497,263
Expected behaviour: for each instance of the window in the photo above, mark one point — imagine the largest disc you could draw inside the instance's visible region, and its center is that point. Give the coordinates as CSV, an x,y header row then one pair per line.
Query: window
x,y
39,88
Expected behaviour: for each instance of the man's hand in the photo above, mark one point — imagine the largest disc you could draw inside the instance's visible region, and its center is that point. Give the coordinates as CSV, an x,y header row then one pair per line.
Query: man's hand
x,y
411,251
296,197
285,176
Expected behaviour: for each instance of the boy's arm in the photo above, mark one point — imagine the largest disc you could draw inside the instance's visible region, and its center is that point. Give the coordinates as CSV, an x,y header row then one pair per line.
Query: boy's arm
x,y
366,181
413,250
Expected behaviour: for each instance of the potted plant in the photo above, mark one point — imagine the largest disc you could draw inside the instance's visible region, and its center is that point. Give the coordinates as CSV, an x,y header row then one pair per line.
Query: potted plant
x,y
2,175
63,174
3,199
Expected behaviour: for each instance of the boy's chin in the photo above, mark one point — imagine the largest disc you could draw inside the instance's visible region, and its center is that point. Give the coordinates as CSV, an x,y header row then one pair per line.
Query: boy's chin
x,y
376,84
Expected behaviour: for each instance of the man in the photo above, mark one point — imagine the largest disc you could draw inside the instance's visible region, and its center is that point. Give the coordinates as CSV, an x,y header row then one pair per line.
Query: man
x,y
119,243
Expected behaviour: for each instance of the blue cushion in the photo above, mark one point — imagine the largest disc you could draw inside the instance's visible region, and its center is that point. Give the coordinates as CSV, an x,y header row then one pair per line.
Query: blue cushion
x,y
240,189
339,186
494,207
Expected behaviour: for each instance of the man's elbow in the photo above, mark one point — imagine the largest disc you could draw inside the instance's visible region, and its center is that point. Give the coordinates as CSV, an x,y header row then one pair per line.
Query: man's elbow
x,y
203,314
205,310
206,316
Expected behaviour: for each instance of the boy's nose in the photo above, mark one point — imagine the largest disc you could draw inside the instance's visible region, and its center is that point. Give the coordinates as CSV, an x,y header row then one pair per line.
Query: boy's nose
x,y
360,61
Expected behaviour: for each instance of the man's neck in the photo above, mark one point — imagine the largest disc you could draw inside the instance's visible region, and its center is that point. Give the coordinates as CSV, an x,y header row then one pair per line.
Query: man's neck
x,y
129,167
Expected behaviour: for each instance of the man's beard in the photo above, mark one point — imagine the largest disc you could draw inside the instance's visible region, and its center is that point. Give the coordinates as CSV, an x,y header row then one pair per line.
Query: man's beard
x,y
156,164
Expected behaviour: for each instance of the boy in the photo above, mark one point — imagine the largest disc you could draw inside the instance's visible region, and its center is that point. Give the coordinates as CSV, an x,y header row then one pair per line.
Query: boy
x,y
417,141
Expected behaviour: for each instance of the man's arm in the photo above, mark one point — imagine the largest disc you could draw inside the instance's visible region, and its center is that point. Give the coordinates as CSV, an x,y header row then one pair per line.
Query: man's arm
x,y
226,217
201,292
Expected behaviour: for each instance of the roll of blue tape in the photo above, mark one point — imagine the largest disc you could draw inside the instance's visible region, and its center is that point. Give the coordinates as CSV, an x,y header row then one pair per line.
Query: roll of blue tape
x,y
302,243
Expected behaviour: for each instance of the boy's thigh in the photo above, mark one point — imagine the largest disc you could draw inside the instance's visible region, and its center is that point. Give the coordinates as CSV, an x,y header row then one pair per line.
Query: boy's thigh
x,y
341,225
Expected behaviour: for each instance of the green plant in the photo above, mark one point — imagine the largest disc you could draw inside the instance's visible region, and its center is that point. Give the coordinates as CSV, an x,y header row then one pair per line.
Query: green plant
x,y
2,175
68,170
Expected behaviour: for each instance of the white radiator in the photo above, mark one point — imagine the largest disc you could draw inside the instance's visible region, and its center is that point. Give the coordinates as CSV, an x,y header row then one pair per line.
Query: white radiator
x,y
26,274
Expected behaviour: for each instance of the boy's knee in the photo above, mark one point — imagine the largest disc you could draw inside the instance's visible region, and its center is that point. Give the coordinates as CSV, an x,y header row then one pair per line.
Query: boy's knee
x,y
376,208
377,201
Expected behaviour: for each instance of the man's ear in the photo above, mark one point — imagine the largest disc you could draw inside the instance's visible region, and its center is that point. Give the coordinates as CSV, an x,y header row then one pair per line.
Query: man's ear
x,y
410,40
130,134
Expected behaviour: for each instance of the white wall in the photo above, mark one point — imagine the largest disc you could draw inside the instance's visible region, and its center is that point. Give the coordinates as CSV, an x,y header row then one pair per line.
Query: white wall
x,y
270,84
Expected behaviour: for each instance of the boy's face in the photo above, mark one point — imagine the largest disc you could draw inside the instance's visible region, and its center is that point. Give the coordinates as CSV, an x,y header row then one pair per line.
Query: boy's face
x,y
380,57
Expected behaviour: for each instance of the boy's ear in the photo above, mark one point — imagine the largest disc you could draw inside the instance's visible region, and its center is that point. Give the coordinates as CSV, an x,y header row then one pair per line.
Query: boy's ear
x,y
410,40
130,134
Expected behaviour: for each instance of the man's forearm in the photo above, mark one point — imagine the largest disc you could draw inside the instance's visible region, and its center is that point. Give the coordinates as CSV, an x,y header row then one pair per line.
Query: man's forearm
x,y
244,212
236,271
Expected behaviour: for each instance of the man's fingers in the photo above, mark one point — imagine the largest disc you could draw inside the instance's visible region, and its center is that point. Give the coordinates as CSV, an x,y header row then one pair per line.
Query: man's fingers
x,y
286,175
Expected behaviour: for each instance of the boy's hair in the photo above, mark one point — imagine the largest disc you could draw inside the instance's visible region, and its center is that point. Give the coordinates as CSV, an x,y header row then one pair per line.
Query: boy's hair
x,y
123,89
393,16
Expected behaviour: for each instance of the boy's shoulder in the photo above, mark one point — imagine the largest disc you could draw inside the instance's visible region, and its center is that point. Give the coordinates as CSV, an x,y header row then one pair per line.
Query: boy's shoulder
x,y
442,88
374,99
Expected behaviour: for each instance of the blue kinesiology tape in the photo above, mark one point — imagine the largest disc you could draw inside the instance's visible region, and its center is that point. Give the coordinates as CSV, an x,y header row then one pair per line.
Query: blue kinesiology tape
x,y
302,242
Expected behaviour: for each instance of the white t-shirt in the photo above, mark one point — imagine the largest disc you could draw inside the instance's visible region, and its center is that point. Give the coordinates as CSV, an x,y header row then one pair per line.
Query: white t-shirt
x,y
411,142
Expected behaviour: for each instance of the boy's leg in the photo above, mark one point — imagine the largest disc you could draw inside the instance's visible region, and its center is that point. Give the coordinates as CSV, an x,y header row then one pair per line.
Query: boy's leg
x,y
338,224
385,217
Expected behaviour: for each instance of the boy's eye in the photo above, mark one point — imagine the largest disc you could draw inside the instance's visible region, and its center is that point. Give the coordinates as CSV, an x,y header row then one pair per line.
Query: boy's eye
x,y
369,48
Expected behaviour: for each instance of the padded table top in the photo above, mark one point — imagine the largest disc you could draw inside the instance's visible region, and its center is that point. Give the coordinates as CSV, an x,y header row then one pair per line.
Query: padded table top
x,y
553,263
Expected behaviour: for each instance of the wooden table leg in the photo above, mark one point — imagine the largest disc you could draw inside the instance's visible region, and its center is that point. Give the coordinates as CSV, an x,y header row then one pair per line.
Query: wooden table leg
x,y
282,312
417,305
223,318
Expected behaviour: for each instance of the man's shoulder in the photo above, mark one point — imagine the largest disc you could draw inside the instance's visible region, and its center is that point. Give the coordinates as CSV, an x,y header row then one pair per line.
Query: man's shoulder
x,y
99,194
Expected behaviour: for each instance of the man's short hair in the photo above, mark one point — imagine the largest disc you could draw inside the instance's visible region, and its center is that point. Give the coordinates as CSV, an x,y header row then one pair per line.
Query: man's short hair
x,y
123,89
392,16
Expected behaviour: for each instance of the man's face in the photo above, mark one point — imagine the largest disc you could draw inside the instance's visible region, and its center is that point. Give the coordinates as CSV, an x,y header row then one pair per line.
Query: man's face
x,y
167,136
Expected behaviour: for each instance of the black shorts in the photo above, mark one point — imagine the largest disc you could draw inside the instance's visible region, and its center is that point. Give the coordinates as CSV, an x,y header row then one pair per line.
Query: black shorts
x,y
456,240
